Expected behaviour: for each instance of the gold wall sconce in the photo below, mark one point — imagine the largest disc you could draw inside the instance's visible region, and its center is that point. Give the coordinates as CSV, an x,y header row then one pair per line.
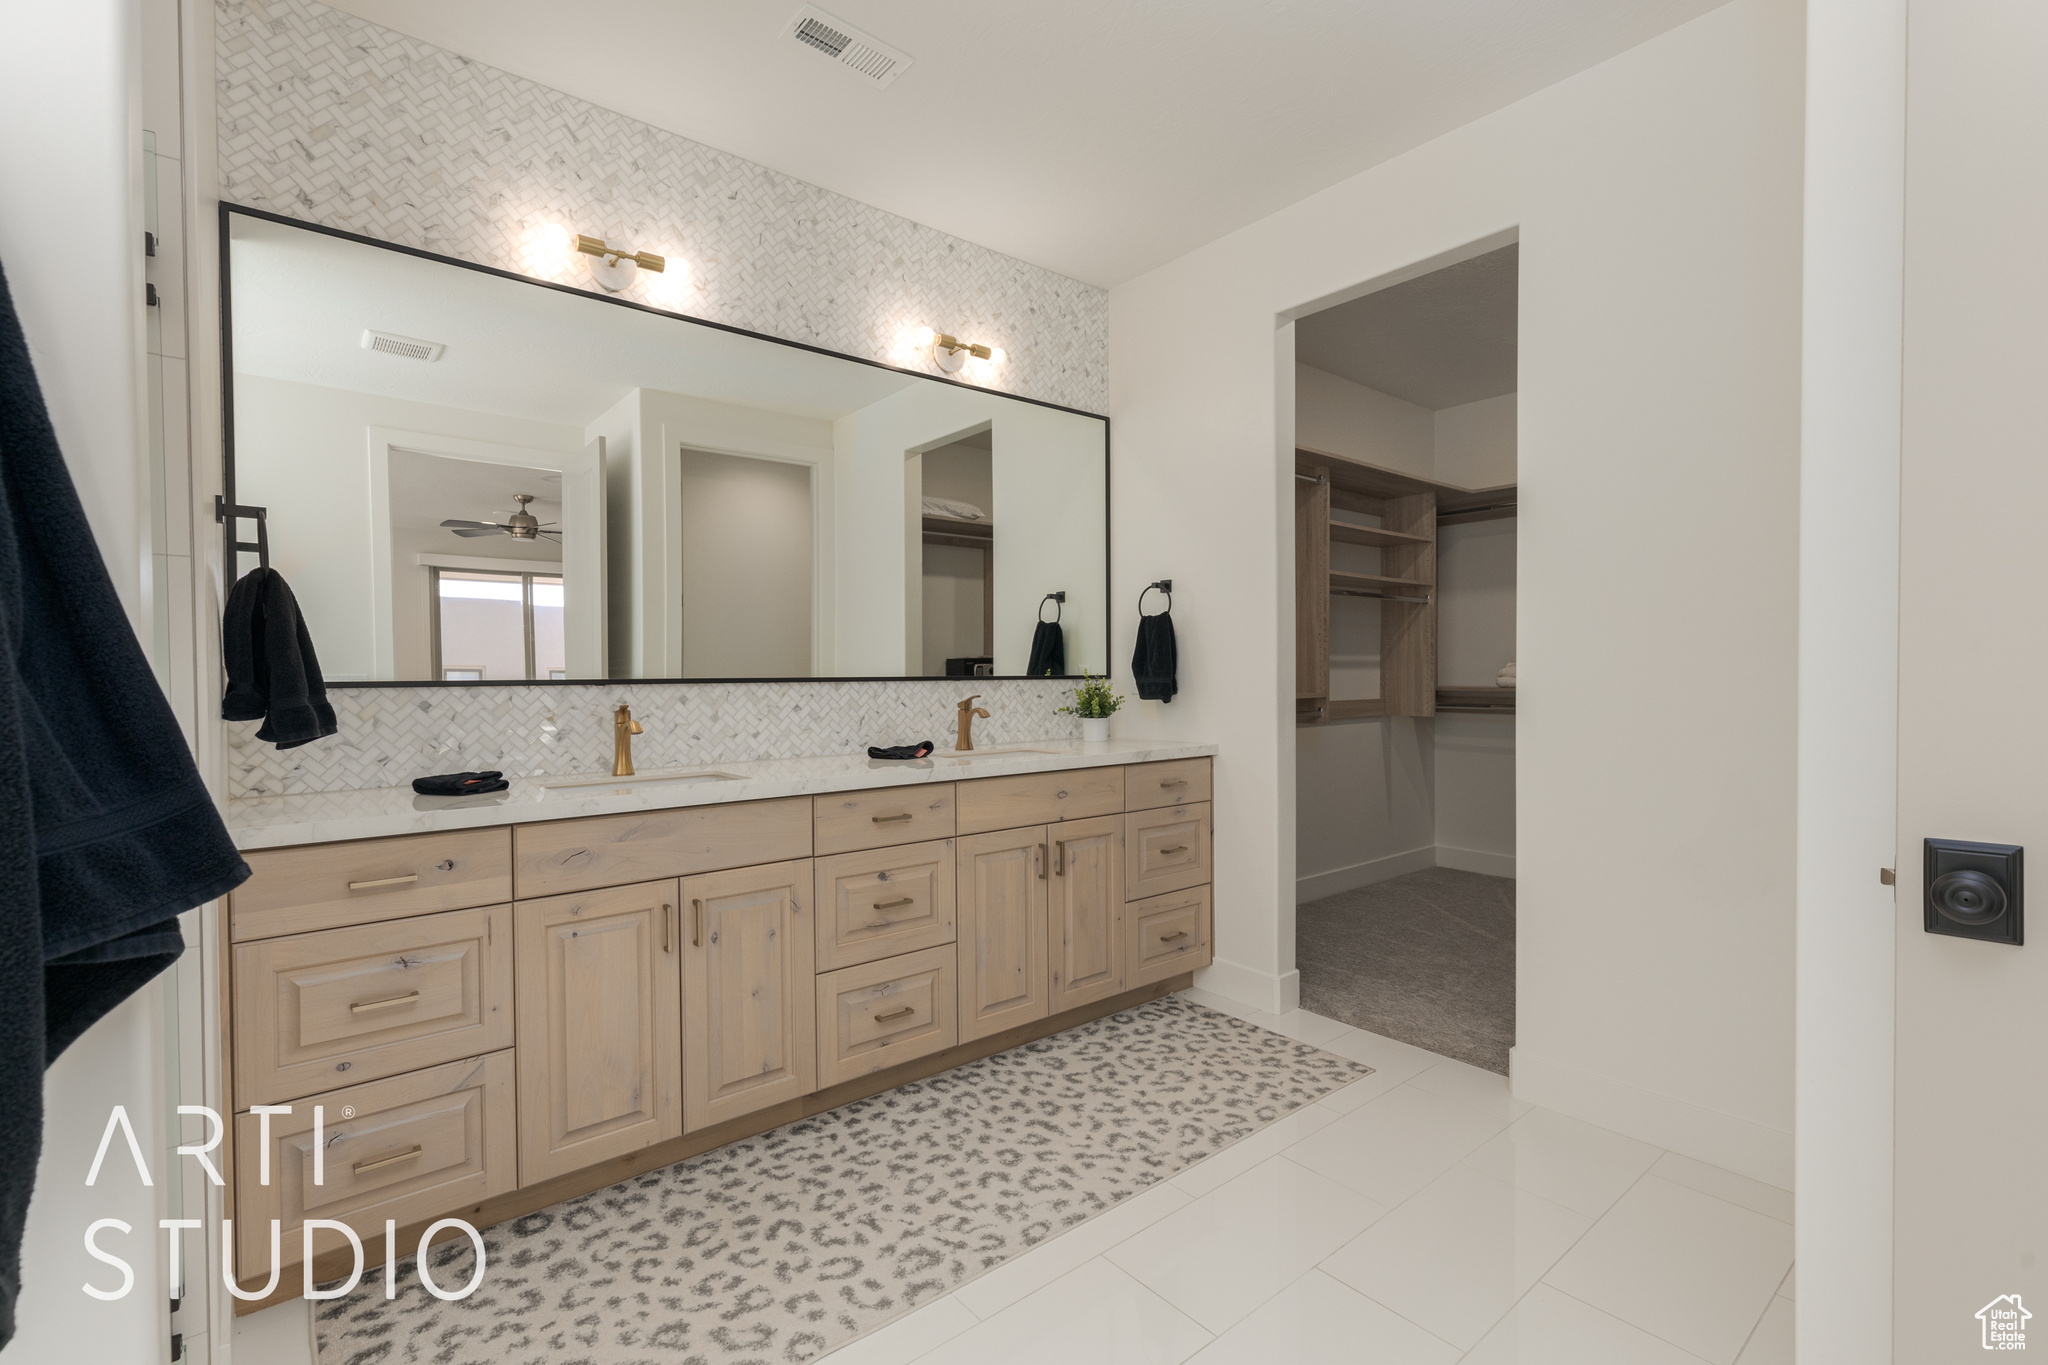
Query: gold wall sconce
x,y
614,267
951,354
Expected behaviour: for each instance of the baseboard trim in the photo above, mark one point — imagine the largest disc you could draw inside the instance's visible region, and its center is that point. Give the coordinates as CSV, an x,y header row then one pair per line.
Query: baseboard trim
x,y
1321,884
1472,860
1275,994
1724,1140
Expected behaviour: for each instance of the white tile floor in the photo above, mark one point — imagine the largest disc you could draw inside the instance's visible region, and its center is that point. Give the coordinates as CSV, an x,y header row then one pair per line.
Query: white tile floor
x,y
1421,1216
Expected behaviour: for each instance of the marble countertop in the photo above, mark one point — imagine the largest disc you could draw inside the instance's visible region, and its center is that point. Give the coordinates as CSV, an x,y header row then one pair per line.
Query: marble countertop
x,y
329,817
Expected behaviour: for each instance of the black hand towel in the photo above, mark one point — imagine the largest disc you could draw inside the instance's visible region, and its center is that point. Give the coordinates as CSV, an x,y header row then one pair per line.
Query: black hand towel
x,y
917,750
1154,661
1048,651
273,675
106,832
461,784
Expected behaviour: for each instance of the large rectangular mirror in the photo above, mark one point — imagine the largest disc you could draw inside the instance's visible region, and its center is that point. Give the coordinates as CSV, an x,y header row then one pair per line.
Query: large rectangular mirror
x,y
467,476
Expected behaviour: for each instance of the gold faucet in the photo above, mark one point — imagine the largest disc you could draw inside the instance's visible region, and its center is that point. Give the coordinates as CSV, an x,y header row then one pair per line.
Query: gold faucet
x,y
968,711
624,727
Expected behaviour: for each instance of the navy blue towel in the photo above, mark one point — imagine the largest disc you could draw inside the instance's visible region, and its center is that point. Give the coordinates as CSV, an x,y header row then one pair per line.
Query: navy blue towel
x,y
1156,660
273,675
106,832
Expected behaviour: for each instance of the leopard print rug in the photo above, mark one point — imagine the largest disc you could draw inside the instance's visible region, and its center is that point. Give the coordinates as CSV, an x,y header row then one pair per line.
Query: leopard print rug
x,y
784,1246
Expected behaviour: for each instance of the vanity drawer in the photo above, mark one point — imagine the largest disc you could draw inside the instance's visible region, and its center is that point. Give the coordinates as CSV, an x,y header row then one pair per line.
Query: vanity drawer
x,y
615,850
417,1146
326,886
847,821
1166,850
883,902
350,1005
881,1014
1039,798
1177,782
1167,935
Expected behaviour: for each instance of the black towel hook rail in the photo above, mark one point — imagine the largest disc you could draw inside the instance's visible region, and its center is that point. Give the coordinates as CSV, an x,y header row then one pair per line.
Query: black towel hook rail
x,y
231,514
1164,585
1058,600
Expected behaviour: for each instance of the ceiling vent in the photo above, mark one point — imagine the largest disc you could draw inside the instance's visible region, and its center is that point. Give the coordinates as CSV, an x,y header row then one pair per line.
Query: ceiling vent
x,y
412,348
847,45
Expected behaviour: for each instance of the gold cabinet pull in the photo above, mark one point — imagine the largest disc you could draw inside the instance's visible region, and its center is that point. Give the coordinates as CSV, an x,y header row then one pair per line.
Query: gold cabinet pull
x,y
1175,782
1168,938
1041,862
891,905
903,1013
381,1162
889,819
407,880
1177,848
667,911
388,1002
1059,858
697,924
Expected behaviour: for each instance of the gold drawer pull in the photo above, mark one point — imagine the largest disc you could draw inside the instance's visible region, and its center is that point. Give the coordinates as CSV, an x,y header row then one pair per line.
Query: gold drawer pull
x,y
696,923
891,905
1168,938
1176,782
407,880
388,1002
889,819
903,1013
381,1162
1177,848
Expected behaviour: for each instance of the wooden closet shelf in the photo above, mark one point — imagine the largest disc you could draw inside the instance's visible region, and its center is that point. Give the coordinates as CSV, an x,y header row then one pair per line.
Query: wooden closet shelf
x,y
1490,700
1341,581
1349,534
1312,711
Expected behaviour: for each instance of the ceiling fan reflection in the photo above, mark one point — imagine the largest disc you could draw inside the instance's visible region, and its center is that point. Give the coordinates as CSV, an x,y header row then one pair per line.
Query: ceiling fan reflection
x,y
520,525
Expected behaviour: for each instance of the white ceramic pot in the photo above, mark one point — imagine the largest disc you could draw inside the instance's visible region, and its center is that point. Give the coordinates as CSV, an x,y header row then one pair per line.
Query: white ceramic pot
x,y
1094,729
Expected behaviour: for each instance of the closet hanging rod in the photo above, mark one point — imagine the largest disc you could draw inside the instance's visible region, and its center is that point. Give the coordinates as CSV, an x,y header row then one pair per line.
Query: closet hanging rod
x,y
1312,478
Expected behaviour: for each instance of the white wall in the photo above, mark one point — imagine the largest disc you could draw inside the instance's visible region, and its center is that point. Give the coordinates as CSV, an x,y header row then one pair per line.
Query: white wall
x,y
68,91
1335,416
1972,1174
1474,443
1656,198
303,451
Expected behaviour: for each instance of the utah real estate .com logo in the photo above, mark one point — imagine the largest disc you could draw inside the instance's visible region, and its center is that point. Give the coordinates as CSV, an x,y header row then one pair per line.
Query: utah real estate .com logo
x,y
2005,1323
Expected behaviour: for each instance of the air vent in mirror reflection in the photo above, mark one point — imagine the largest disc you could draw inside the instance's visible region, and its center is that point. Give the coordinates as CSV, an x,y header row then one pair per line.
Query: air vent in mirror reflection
x,y
412,348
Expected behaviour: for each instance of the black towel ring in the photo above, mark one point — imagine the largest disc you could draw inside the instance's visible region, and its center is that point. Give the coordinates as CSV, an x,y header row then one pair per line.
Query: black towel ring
x,y
1058,600
1164,585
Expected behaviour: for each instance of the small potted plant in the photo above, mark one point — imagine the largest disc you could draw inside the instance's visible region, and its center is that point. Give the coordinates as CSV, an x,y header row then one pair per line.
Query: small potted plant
x,y
1094,703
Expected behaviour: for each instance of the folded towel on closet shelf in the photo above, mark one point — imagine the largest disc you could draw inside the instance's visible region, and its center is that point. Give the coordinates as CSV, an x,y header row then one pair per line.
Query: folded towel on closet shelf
x,y
1507,676
957,511
460,784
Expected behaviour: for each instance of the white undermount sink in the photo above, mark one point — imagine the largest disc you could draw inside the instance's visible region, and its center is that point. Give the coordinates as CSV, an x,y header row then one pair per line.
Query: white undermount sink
x,y
638,783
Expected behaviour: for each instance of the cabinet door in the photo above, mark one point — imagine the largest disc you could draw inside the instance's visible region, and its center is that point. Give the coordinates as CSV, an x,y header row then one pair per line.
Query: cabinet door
x,y
1001,899
599,1026
749,993
1085,922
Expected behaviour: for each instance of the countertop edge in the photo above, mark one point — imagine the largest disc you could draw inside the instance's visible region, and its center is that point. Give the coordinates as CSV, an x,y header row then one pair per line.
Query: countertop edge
x,y
336,817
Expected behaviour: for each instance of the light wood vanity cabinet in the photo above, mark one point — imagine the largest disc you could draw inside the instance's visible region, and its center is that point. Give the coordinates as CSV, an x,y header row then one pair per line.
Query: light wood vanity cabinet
x,y
490,1018
1084,917
749,1025
600,1026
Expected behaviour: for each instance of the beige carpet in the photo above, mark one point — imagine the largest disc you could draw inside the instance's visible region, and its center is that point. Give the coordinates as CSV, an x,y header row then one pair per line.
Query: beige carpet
x,y
1428,958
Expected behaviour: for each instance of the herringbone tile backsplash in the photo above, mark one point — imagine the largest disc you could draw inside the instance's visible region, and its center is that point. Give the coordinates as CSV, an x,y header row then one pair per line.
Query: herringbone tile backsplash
x,y
390,735
327,118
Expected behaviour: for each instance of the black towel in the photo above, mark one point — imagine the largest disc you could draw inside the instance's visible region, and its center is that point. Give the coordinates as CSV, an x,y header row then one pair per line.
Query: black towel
x,y
106,832
461,784
273,675
1048,651
917,750
1155,659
